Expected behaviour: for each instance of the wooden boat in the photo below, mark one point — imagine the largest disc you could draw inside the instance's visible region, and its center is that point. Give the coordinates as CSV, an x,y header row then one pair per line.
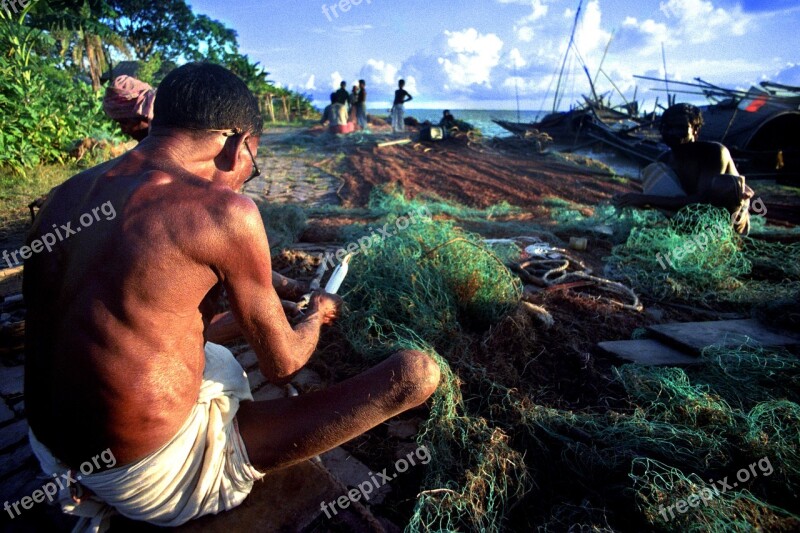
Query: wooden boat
x,y
760,126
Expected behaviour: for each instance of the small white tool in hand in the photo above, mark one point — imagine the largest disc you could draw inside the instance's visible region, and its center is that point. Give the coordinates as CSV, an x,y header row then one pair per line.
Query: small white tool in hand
x,y
339,273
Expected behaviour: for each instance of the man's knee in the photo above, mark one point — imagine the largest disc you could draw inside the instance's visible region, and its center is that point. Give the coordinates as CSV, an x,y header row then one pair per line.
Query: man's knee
x,y
419,375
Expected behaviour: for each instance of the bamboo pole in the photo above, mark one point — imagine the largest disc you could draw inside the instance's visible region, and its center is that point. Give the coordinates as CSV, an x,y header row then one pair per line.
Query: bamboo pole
x,y
285,108
270,108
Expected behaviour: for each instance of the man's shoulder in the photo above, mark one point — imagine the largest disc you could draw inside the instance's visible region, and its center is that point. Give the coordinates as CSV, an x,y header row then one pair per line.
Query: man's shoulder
x,y
700,149
710,147
229,208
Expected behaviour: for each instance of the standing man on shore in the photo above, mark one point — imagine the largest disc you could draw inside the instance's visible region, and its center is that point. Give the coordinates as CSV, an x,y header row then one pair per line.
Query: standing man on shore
x,y
401,96
342,96
361,105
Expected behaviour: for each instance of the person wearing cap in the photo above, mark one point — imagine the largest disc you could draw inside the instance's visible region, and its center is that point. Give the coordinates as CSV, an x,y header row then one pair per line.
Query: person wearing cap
x,y
129,102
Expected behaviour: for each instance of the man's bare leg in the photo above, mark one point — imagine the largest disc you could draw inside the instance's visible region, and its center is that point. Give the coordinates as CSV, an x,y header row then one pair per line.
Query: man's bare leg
x,y
285,431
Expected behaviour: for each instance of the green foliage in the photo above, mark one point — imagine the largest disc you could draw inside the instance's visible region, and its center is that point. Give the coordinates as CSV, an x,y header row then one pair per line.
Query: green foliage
x,y
169,31
149,69
43,109
168,26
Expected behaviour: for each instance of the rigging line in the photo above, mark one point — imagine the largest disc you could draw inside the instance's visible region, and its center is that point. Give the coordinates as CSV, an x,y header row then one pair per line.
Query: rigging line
x,y
566,54
586,70
666,76
603,59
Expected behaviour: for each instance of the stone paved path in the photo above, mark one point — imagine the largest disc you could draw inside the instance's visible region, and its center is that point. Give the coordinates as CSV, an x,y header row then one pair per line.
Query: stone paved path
x,y
288,175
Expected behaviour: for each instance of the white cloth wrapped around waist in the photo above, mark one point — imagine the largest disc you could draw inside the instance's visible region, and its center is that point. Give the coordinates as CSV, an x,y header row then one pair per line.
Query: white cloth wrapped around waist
x,y
203,470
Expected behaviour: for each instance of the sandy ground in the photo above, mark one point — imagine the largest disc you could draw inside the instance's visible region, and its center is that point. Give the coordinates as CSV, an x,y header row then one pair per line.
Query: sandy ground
x,y
474,175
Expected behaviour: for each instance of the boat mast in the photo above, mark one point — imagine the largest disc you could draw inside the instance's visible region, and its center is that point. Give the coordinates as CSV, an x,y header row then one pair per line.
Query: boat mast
x,y
556,97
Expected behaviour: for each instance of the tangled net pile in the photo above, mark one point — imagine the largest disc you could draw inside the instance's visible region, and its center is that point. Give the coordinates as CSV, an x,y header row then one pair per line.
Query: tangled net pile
x,y
718,264
502,461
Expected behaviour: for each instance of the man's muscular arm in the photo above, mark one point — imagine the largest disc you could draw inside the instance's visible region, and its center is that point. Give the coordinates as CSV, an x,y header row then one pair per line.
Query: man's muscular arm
x,y
674,203
244,266
288,288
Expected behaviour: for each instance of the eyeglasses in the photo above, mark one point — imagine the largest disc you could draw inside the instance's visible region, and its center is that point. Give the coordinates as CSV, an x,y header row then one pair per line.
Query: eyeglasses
x,y
256,172
235,131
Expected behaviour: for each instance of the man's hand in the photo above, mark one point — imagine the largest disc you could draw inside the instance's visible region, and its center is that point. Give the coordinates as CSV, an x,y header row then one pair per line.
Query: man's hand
x,y
288,288
291,309
328,305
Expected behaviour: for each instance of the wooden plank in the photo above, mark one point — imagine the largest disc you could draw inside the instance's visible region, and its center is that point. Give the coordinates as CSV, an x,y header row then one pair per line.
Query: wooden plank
x,y
10,281
694,336
393,143
647,352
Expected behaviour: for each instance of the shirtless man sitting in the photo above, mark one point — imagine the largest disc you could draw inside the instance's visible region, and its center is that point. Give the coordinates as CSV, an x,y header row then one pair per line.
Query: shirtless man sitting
x,y
692,171
119,327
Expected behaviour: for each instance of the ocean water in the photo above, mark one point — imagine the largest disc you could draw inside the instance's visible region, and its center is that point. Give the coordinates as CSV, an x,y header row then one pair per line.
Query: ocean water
x,y
481,119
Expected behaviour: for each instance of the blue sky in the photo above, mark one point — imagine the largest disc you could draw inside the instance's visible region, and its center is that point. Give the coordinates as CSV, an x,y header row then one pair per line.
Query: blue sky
x,y
477,53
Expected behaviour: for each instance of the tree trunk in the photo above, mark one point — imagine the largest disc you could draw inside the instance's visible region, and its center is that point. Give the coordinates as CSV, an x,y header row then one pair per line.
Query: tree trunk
x,y
89,46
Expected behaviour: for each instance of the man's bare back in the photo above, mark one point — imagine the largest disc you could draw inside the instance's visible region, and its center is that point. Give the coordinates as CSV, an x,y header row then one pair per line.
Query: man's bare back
x,y
133,296
119,314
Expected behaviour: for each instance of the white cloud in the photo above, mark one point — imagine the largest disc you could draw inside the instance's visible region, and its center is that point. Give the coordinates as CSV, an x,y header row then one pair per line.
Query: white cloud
x,y
379,73
336,79
354,29
516,59
311,84
789,75
698,21
538,10
411,85
524,33
642,38
590,35
471,57
523,28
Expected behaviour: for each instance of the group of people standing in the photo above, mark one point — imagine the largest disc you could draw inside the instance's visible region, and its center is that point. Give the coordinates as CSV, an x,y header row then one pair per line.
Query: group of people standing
x,y
348,110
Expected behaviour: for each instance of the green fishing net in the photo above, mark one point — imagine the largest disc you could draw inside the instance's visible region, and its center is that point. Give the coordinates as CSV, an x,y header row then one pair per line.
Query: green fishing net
x,y
501,460
696,255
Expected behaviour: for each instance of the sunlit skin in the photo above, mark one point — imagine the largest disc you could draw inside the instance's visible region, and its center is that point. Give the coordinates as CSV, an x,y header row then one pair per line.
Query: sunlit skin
x,y
696,164
118,315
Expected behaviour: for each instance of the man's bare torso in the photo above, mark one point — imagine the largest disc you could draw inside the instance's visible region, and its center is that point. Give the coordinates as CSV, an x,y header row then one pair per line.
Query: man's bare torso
x,y
116,312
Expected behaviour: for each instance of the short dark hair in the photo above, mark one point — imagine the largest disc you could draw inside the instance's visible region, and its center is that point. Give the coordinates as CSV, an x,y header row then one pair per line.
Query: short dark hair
x,y
362,82
343,84
688,112
204,96
401,82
